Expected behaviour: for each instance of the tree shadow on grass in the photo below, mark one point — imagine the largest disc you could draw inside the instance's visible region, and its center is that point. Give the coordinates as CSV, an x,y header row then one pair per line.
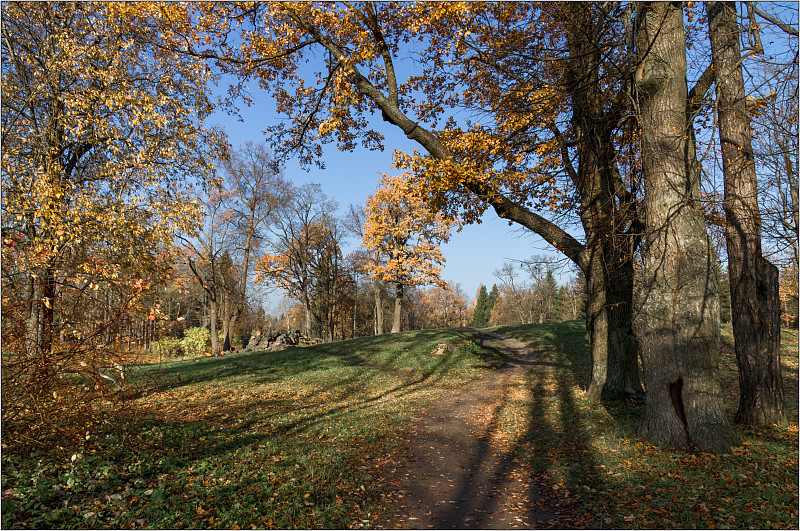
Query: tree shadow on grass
x,y
556,448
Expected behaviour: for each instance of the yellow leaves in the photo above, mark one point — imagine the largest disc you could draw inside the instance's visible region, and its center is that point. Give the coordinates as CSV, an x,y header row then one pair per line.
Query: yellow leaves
x,y
404,233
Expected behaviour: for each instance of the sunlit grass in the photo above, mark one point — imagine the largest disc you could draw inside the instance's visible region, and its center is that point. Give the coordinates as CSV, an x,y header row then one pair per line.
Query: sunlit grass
x,y
596,465
284,439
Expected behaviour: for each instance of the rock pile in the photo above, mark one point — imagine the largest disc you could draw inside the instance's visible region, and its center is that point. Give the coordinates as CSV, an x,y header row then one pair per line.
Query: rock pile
x,y
278,340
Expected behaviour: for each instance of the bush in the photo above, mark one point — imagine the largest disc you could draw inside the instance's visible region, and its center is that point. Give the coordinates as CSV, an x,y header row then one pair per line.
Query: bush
x,y
195,340
168,347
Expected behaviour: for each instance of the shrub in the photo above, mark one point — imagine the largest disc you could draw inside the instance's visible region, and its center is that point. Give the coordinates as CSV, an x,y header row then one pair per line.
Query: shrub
x,y
195,340
168,347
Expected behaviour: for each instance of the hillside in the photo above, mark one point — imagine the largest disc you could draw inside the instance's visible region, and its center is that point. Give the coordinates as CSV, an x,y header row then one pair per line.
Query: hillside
x,y
308,438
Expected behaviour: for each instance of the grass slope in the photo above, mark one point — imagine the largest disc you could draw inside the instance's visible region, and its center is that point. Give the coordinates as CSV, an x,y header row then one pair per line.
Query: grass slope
x,y
600,474
293,439
282,439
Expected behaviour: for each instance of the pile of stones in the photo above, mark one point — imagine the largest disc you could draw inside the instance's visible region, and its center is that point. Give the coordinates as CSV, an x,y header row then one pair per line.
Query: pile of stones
x,y
277,340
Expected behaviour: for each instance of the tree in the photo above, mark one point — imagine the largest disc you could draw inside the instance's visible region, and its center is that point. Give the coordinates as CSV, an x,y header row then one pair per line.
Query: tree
x,y
405,234
354,223
677,317
101,134
482,312
258,189
300,241
100,129
493,295
443,307
755,303
209,260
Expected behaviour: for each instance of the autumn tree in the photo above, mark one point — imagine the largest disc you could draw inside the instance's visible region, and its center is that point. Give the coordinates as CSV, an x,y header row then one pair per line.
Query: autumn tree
x,y
677,317
356,265
404,233
101,130
299,247
330,274
354,222
443,306
773,109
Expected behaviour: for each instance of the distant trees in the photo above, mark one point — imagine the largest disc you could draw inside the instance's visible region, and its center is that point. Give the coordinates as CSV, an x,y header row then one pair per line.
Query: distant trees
x,y
209,260
303,256
529,294
404,234
443,307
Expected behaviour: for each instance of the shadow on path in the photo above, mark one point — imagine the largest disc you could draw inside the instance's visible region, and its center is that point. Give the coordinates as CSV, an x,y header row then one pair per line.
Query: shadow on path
x,y
457,471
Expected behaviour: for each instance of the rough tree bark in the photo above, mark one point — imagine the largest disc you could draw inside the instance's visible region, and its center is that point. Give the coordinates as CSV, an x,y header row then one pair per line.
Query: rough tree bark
x,y
606,211
755,303
398,308
677,318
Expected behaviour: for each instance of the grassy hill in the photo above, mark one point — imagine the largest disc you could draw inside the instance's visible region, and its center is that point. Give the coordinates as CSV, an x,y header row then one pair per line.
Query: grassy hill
x,y
294,439
280,439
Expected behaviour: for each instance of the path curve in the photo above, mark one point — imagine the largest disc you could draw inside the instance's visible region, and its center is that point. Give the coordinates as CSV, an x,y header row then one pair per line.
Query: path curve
x,y
453,472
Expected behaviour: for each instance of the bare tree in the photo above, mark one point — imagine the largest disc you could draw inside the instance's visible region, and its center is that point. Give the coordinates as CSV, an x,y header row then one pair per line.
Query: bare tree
x,y
204,254
258,189
294,239
755,303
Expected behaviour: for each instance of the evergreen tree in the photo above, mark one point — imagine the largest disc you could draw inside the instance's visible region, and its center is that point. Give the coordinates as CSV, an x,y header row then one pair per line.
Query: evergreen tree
x,y
493,295
483,309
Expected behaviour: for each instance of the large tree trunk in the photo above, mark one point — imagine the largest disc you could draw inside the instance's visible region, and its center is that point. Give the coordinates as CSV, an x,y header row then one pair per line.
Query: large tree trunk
x,y
755,303
609,275
623,357
677,318
213,318
398,308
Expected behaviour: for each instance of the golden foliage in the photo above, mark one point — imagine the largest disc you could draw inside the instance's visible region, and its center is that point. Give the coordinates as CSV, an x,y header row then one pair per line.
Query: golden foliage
x,y
404,233
101,130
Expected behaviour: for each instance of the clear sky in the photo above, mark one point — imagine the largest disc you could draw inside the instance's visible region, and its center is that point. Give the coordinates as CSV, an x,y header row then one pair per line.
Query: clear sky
x,y
349,177
478,250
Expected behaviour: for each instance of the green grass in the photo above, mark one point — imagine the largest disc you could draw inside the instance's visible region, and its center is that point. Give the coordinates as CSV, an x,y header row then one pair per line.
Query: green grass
x,y
293,439
595,467
282,439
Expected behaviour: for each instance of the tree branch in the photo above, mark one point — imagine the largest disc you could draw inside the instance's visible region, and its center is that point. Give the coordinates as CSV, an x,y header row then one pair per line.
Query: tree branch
x,y
700,89
505,207
782,25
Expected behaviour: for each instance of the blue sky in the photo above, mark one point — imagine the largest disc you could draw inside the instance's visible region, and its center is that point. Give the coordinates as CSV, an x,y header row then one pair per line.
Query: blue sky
x,y
349,177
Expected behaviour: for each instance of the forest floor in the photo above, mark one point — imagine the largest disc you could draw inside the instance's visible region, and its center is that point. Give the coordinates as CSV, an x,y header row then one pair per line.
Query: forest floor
x,y
391,432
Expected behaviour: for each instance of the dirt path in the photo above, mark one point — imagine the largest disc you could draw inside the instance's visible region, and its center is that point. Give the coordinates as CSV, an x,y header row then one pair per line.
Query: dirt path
x,y
455,471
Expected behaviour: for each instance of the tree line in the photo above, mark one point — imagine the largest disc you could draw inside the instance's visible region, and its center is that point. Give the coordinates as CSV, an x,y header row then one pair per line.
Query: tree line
x,y
626,135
